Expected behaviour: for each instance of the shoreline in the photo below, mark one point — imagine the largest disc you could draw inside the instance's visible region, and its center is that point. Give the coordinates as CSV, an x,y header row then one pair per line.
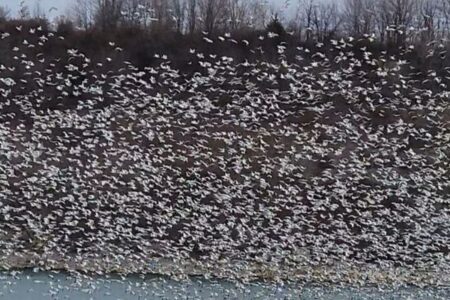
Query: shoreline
x,y
338,274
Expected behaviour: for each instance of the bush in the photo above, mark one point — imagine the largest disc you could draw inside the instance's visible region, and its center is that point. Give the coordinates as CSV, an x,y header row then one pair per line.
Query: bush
x,y
275,26
65,27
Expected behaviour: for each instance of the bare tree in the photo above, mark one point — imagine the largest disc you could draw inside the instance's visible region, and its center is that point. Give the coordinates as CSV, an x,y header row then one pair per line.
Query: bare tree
x,y
139,12
395,16
444,19
134,12
304,18
24,11
162,16
326,20
38,11
4,13
82,13
211,13
258,13
181,15
359,16
179,8
236,14
108,14
427,19
192,15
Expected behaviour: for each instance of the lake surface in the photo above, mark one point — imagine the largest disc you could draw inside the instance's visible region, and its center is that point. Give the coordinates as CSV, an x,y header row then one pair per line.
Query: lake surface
x,y
48,285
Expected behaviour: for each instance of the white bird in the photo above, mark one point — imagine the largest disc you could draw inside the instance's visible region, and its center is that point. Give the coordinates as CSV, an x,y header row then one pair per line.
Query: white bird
x,y
208,40
268,165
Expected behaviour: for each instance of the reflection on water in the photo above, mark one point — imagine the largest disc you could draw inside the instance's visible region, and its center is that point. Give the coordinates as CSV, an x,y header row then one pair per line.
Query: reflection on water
x,y
41,285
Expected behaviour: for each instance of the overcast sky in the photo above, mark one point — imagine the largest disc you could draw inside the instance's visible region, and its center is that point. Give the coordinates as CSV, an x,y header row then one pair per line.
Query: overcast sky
x,y
63,5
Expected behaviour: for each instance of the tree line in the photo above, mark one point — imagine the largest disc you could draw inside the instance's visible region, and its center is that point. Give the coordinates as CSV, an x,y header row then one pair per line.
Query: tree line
x,y
392,22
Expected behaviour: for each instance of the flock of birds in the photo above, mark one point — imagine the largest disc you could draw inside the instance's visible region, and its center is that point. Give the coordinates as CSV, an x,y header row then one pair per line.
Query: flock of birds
x,y
337,156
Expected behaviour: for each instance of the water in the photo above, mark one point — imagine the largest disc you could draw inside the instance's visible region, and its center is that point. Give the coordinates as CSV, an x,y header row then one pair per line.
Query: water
x,y
51,285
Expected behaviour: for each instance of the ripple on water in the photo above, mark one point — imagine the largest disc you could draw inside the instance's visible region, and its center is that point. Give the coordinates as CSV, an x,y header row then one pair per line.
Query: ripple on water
x,y
42,285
